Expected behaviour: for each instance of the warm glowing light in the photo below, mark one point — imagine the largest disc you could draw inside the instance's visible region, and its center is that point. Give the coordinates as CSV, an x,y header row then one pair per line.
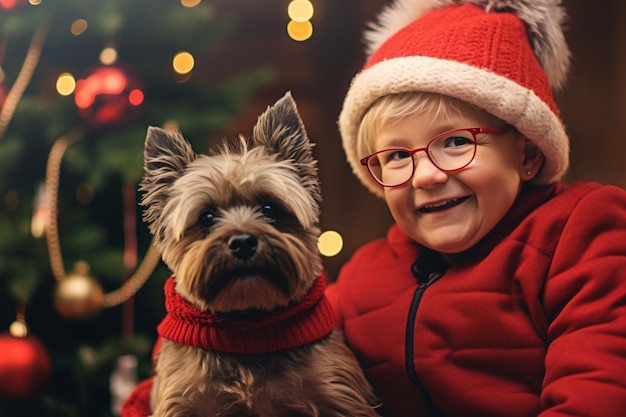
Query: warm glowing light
x,y
8,4
300,31
66,84
18,329
330,243
171,126
108,55
35,2
190,3
300,10
183,62
39,222
135,97
103,81
83,99
41,213
78,27
77,287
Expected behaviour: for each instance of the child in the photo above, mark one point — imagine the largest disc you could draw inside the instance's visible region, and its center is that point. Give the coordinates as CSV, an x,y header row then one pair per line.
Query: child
x,y
499,291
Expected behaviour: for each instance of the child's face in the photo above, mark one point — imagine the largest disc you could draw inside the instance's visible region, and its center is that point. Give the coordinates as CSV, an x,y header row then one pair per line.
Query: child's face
x,y
451,212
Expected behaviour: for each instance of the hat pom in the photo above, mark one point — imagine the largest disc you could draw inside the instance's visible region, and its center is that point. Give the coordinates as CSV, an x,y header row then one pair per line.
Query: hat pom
x,y
543,18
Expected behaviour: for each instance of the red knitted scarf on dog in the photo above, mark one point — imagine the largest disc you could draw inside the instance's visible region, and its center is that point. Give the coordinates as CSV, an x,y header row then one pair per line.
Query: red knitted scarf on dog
x,y
296,325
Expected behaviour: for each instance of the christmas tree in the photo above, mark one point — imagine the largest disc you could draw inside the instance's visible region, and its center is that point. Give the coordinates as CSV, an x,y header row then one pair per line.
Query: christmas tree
x,y
80,81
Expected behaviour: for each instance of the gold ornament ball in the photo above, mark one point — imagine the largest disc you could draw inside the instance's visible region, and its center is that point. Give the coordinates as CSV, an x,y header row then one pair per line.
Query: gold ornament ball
x,y
78,296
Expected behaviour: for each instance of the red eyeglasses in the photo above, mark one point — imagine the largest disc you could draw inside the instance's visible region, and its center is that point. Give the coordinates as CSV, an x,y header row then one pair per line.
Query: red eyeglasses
x,y
450,151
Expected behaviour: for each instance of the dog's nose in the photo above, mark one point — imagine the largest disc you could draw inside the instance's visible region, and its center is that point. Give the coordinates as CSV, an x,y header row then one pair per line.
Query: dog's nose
x,y
243,246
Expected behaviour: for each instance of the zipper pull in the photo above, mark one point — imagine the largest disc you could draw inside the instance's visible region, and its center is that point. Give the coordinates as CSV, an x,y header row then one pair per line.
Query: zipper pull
x,y
428,264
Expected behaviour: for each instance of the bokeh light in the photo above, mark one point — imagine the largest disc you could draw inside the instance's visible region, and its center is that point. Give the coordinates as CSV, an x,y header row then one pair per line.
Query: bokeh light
x,y
300,31
190,3
18,329
183,62
8,4
103,81
108,55
135,97
330,243
300,10
171,125
78,27
66,84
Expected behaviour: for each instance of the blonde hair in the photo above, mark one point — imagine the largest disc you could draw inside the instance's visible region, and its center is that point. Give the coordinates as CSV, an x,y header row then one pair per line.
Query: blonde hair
x,y
392,108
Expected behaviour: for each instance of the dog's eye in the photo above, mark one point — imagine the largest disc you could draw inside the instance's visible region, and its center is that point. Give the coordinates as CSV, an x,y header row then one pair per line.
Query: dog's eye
x,y
270,210
207,219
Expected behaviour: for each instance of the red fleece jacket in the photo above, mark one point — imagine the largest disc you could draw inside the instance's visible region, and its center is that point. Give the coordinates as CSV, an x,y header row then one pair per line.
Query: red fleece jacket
x,y
530,322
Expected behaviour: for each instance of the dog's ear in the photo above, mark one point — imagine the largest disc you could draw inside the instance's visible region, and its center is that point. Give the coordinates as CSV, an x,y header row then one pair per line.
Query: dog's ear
x,y
280,129
166,154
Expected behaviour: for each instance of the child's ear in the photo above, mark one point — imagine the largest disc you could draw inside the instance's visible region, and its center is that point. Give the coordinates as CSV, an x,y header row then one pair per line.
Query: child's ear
x,y
532,159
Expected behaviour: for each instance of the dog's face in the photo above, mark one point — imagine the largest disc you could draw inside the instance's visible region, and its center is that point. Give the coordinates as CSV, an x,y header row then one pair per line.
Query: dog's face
x,y
239,227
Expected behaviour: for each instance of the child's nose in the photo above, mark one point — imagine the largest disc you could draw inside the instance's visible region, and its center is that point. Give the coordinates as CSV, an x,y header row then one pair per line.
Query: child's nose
x,y
426,174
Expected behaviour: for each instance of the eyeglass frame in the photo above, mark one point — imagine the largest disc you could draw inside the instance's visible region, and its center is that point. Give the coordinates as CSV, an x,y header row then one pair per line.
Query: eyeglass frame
x,y
472,130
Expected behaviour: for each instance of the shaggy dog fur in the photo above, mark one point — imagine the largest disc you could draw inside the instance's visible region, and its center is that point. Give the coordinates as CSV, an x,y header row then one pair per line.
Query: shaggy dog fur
x,y
239,230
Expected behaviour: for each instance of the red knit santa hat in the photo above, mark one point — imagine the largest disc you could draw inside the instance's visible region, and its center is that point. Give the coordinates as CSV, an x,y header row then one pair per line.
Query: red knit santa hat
x,y
503,56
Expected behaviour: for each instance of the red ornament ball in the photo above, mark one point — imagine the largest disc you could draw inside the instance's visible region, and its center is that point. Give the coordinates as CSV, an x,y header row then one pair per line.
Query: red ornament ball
x,y
107,96
25,366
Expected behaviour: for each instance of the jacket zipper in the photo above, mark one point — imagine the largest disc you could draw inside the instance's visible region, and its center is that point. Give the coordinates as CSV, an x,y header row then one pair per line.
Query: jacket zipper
x,y
409,356
410,327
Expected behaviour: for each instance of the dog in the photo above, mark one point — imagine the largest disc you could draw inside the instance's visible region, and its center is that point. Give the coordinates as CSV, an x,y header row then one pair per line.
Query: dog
x,y
248,330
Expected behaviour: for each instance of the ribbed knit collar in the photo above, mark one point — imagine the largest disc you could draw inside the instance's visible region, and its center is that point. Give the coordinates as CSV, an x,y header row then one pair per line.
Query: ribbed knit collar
x,y
296,325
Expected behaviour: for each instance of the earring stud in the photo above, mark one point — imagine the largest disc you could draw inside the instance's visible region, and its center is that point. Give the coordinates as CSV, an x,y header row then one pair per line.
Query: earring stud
x,y
528,172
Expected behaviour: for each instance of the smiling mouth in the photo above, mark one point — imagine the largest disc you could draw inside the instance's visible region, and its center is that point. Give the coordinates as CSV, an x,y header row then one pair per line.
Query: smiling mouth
x,y
443,205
